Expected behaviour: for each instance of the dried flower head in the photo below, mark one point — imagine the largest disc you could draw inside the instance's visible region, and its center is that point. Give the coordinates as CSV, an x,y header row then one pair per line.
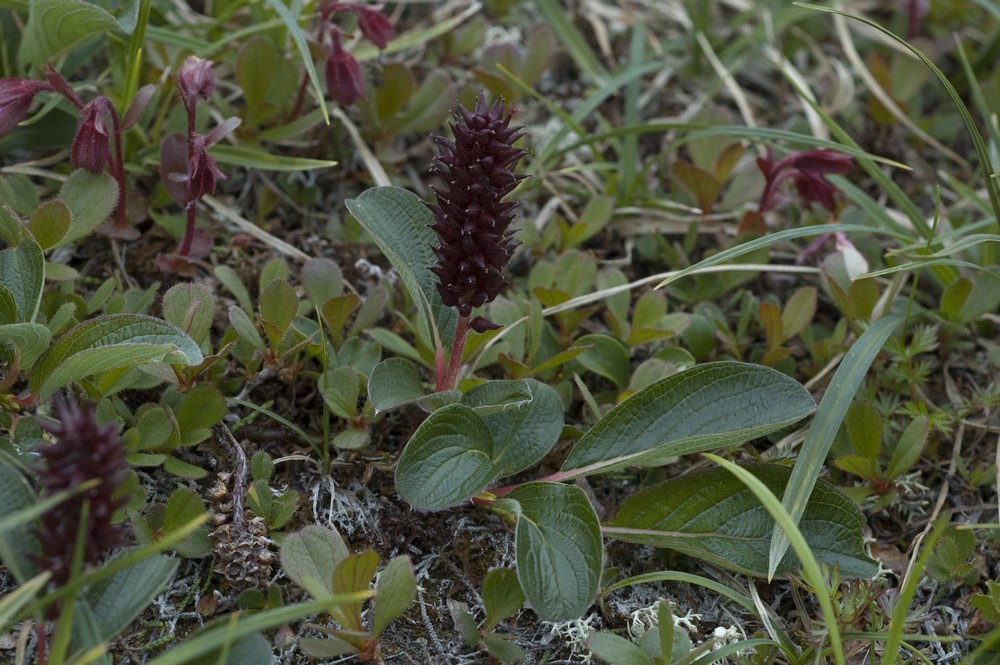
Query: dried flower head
x,y
83,451
472,222
91,148
16,96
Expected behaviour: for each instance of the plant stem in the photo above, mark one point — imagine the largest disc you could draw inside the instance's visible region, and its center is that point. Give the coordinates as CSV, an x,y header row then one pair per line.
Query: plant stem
x,y
190,206
119,169
455,364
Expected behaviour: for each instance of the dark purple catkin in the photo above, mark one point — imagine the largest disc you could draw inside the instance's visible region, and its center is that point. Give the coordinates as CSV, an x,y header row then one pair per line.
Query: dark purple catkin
x,y
472,222
83,451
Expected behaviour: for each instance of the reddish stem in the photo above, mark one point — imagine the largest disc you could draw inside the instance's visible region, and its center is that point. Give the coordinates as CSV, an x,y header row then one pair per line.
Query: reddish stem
x,y
455,364
119,168
190,207
41,658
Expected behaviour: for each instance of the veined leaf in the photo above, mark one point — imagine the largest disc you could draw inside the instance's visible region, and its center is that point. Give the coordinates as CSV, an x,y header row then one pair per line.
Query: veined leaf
x,y
713,516
55,26
558,548
448,459
91,198
22,273
394,382
705,407
114,341
400,224
31,339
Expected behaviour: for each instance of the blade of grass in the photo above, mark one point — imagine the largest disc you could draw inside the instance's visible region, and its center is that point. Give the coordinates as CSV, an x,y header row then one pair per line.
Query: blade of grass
x,y
572,40
241,625
825,424
21,596
992,188
628,158
784,523
412,38
897,623
291,22
687,578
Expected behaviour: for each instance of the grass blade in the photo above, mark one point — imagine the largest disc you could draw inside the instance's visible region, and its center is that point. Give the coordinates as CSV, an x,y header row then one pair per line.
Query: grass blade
x,y
785,524
829,416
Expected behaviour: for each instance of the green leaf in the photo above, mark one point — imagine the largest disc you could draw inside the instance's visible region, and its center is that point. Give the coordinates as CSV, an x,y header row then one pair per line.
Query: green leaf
x,y
502,596
22,272
17,545
278,305
465,624
713,516
253,649
203,408
23,594
183,506
400,224
339,389
864,429
908,448
705,407
31,339
429,105
190,307
395,591
393,383
558,548
298,36
56,26
119,599
322,279
255,69
524,430
503,649
244,328
231,280
114,341
448,459
183,469
255,158
354,573
607,356
49,223
825,425
90,197
230,631
617,650
798,311
310,556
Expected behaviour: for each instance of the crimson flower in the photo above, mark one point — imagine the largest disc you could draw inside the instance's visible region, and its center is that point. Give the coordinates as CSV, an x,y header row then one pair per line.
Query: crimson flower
x,y
16,96
91,146
807,170
344,81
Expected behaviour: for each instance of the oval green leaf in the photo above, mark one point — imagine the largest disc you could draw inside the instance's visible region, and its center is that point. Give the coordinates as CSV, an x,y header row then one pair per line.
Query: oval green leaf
x,y
22,273
114,341
524,429
558,548
705,407
91,198
447,461
394,382
310,556
713,516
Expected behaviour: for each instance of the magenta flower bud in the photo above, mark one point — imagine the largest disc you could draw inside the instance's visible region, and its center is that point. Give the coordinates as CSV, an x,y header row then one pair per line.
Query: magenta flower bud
x,y
374,25
344,81
807,170
83,451
16,96
471,220
91,148
195,81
